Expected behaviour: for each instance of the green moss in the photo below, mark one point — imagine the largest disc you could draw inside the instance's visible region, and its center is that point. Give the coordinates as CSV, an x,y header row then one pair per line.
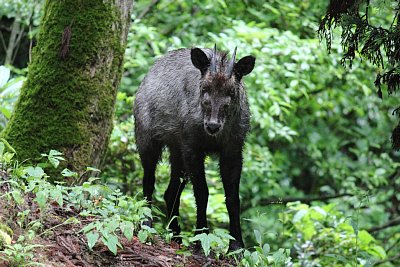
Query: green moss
x,y
64,104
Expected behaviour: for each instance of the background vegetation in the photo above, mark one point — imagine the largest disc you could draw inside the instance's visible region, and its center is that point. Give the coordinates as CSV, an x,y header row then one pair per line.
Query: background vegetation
x,y
320,177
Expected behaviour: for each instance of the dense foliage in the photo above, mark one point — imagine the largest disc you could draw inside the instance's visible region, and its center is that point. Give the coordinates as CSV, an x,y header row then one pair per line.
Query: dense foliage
x,y
376,40
320,135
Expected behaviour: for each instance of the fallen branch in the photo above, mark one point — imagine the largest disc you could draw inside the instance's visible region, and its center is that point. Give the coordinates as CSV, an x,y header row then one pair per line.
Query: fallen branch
x,y
147,9
394,245
305,200
391,223
387,260
315,92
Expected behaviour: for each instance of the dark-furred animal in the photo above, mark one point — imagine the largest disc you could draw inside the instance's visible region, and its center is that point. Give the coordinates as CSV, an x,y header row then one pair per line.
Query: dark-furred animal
x,y
193,101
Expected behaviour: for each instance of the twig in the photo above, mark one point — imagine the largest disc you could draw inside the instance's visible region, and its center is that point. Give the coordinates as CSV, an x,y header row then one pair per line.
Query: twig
x,y
393,245
30,44
310,93
3,41
12,42
30,33
387,260
18,44
147,9
391,223
67,221
306,200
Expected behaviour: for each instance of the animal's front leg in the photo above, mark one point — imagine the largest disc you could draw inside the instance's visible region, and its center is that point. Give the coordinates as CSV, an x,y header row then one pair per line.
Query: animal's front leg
x,y
194,168
231,168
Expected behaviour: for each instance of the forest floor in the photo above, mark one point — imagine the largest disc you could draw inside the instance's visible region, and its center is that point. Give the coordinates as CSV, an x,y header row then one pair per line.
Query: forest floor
x,y
64,245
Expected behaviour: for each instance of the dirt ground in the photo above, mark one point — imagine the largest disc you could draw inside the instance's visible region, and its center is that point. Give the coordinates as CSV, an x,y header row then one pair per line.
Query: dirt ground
x,y
65,246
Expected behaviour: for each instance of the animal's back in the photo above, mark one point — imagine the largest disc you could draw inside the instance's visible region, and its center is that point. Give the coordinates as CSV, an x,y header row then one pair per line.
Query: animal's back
x,y
163,101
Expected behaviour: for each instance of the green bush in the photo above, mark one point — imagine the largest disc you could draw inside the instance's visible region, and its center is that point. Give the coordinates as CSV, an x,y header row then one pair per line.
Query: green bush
x,y
323,236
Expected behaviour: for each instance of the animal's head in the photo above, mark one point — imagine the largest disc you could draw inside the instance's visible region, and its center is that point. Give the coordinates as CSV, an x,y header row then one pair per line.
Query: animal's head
x,y
220,85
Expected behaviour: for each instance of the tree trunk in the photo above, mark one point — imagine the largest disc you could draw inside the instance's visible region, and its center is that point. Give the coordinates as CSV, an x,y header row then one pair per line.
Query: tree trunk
x,y
67,102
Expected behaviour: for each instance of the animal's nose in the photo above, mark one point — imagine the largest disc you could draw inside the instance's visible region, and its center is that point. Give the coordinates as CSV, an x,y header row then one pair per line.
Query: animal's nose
x,y
213,127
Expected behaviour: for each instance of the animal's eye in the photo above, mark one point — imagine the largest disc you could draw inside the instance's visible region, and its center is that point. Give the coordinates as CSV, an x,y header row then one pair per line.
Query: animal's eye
x,y
205,89
207,103
232,93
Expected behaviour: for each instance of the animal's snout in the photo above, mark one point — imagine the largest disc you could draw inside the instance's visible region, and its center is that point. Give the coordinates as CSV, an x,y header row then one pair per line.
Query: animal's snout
x,y
213,127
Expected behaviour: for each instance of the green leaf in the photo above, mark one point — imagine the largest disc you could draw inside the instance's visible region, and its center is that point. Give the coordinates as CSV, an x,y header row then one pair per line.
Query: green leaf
x,y
308,230
354,225
223,234
365,237
111,242
338,257
255,259
257,234
279,256
41,199
36,172
127,229
92,238
215,239
92,169
377,251
142,235
8,145
72,220
266,249
112,224
149,229
320,211
5,238
4,75
12,87
299,215
56,194
16,194
6,112
68,173
54,162
88,227
7,157
205,242
2,146
54,153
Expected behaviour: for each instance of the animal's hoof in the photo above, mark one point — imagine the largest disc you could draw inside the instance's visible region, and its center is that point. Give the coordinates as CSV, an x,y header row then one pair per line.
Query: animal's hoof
x,y
235,245
177,239
197,247
148,222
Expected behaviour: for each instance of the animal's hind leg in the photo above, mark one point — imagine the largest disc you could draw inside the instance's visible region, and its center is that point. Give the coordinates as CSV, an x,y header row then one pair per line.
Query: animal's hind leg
x,y
231,167
149,156
173,193
194,168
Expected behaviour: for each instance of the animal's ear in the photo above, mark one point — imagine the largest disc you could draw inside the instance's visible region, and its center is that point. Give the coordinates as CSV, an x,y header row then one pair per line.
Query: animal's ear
x,y
199,60
244,66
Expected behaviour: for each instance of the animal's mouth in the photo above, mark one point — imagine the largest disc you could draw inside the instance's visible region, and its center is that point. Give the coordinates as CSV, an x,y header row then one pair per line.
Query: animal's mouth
x,y
212,129
211,132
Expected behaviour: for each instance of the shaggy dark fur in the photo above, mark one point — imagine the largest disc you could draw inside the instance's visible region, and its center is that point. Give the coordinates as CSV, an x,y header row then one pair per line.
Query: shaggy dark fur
x,y
195,106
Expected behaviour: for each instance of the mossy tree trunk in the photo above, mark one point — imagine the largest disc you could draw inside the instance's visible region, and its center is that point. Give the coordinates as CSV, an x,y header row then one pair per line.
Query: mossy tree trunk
x,y
67,102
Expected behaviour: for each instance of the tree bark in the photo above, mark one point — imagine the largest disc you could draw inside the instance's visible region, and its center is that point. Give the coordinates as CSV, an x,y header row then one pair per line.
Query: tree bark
x,y
67,102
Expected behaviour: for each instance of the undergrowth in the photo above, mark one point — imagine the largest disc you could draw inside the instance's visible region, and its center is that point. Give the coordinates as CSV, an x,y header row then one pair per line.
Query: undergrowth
x,y
316,235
